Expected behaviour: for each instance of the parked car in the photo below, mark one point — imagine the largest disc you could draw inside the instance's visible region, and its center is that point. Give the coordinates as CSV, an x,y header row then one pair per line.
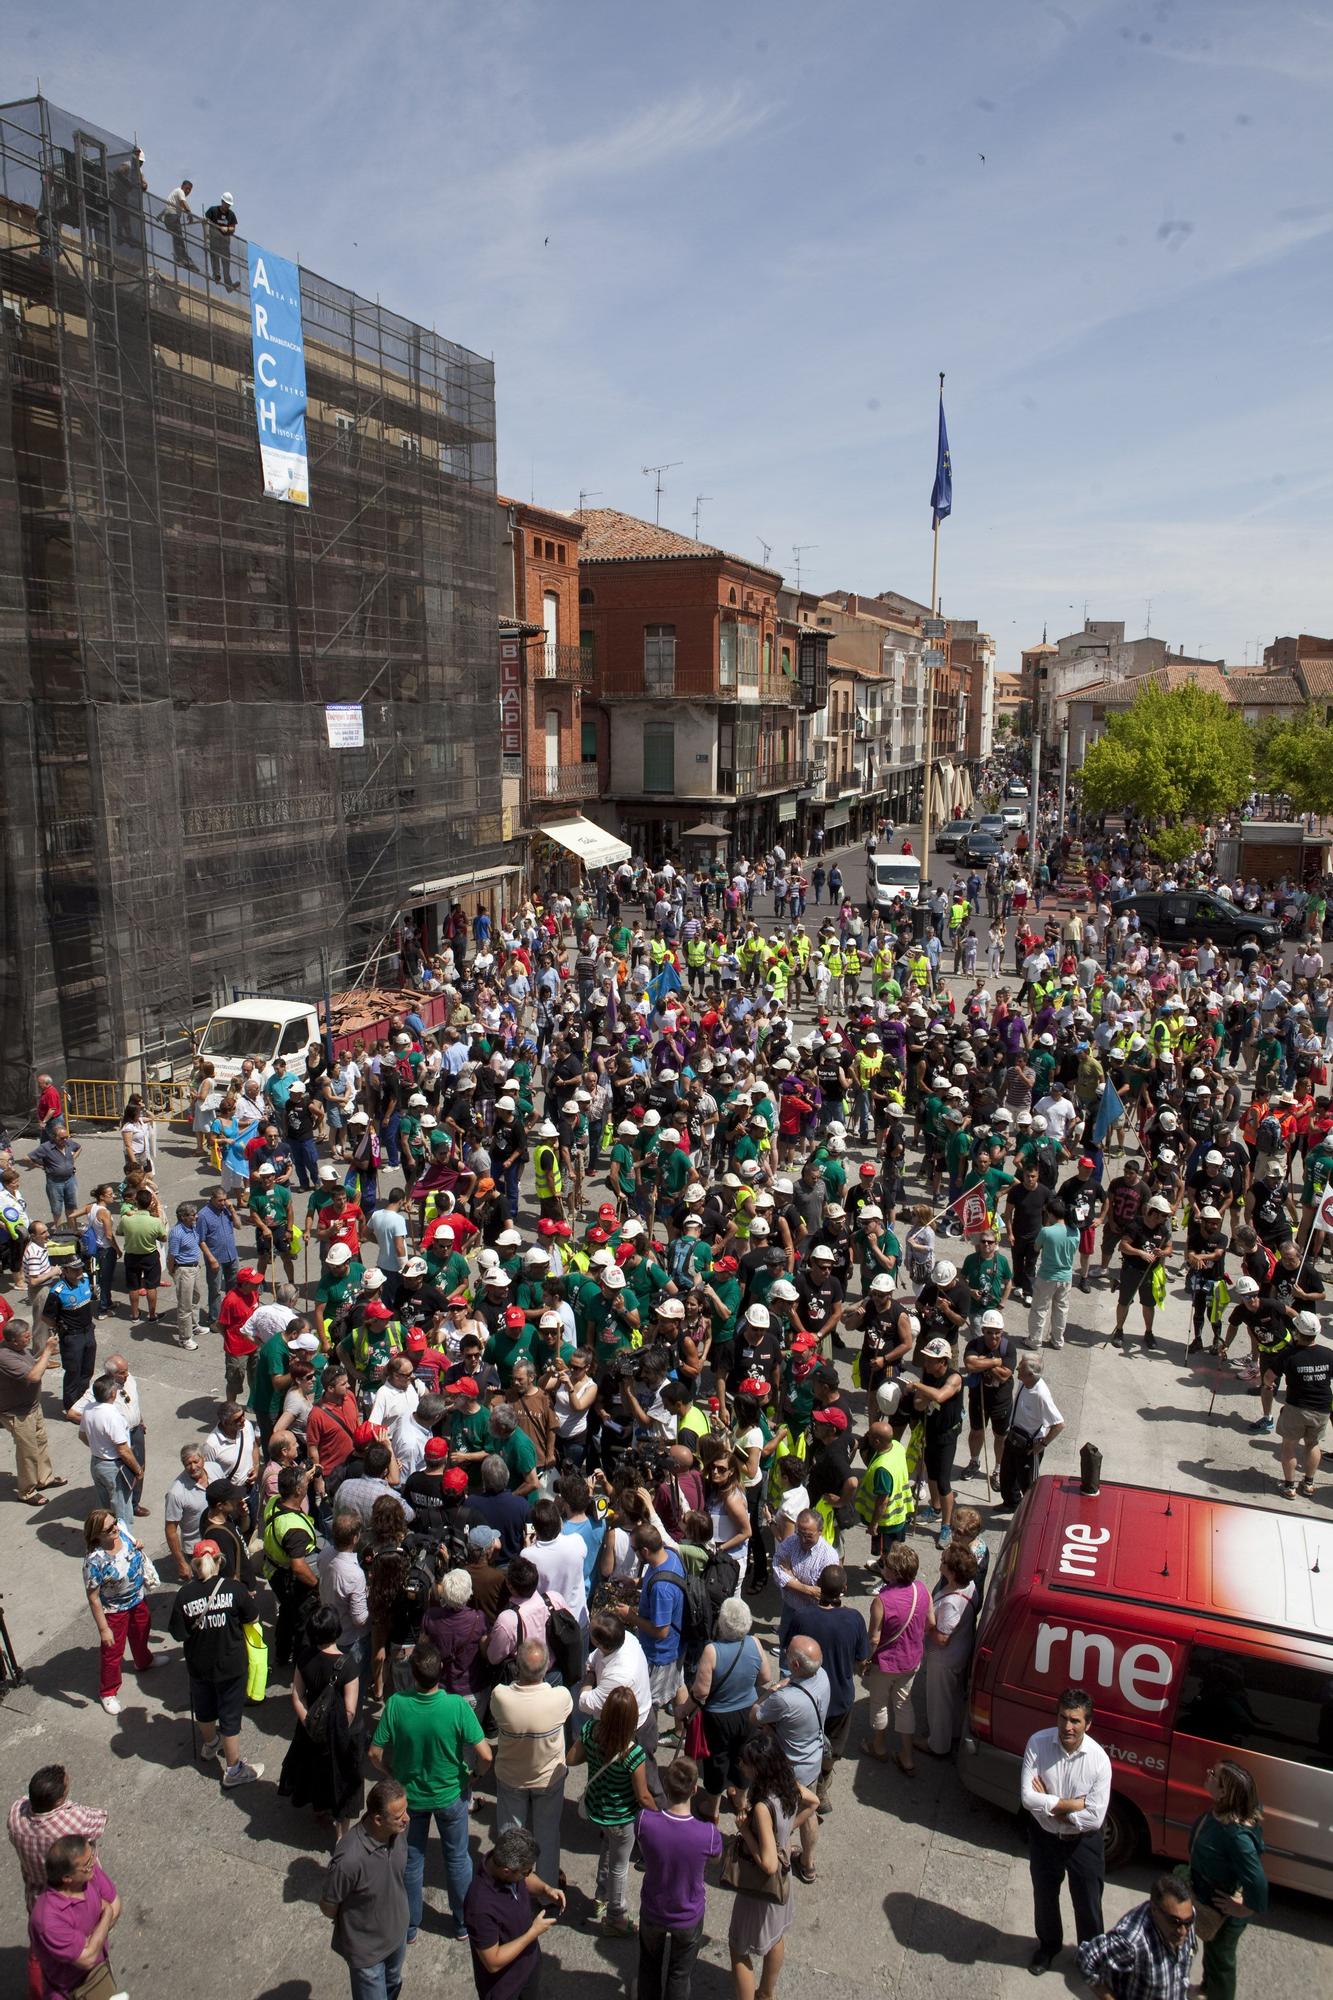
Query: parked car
x,y
946,840
1198,914
978,847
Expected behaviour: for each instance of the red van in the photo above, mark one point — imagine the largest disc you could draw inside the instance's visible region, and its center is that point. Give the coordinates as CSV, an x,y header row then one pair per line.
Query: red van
x,y
1201,1628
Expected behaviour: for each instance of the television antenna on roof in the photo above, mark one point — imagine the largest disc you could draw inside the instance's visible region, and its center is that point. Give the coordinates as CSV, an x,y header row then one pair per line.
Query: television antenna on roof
x,y
588,493
798,550
767,548
699,500
670,466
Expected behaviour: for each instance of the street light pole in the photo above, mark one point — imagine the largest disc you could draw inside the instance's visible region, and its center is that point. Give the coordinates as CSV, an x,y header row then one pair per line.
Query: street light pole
x,y
1064,770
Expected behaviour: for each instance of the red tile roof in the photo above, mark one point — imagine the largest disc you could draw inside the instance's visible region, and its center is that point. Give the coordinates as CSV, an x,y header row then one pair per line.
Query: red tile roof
x,y
1316,677
609,536
1265,690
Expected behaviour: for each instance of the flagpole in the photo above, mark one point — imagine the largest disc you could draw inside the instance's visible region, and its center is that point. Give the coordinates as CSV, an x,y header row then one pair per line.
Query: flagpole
x,y
930,694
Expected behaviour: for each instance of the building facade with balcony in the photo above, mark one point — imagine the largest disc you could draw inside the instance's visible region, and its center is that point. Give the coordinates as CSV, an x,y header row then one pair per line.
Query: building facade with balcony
x,y
698,685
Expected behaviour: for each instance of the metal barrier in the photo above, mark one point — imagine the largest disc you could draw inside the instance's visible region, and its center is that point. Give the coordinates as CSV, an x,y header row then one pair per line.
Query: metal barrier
x,y
98,1100
95,1100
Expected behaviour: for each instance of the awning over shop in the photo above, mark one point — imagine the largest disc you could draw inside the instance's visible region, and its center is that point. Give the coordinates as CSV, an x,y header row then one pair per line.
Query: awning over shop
x,y
836,816
786,811
707,829
594,846
449,885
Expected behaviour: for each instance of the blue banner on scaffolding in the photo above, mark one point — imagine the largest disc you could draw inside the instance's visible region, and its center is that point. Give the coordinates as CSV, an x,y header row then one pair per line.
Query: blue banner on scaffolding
x,y
279,358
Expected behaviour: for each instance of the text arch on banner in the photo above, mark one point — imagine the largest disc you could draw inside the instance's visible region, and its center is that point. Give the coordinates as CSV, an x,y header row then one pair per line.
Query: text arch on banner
x,y
278,348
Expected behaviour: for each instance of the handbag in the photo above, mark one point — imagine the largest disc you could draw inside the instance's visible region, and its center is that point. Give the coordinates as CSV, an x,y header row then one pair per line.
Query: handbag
x,y
696,1737
741,1872
99,1984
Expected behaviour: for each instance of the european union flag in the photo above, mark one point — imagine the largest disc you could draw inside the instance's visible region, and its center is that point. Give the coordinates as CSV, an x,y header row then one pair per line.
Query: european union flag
x,y
941,493
668,981
1109,1110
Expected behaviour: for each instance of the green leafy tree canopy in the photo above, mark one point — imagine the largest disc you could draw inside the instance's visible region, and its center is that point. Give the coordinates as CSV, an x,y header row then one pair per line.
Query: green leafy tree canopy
x,y
1297,758
1178,753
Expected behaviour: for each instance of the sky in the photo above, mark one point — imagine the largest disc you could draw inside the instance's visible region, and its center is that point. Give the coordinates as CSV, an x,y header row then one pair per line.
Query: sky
x,y
747,237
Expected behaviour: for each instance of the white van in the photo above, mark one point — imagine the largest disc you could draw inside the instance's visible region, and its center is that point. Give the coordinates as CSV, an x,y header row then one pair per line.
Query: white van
x,y
896,875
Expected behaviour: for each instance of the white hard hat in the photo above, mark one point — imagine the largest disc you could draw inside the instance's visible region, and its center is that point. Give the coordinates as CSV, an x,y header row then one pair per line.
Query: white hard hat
x,y
993,1317
757,1315
944,1272
888,1396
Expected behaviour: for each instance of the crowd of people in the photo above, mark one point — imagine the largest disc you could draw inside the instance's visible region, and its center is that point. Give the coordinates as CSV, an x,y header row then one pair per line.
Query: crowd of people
x,y
663,1290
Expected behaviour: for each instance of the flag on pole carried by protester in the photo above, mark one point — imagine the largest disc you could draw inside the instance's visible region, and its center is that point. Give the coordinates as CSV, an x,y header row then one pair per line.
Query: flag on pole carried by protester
x,y
971,1210
1324,1213
1110,1110
667,981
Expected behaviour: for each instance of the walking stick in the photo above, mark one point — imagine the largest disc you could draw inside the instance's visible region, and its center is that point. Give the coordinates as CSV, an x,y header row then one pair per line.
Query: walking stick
x,y
985,1445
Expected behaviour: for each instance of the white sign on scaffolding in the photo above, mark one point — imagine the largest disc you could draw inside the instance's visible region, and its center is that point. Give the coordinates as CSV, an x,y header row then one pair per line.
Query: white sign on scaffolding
x,y
346,725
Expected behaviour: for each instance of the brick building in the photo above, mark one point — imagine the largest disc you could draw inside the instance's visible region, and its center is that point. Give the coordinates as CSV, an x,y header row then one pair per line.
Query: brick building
x,y
694,682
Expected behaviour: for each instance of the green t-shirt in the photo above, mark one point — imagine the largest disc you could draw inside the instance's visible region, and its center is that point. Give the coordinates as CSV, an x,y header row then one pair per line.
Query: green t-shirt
x,y
272,1359
987,1276
141,1231
273,1207
519,1454
426,1736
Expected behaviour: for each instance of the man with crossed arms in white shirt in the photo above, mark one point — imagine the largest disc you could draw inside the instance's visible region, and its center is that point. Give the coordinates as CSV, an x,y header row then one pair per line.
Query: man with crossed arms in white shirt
x,y
1066,1788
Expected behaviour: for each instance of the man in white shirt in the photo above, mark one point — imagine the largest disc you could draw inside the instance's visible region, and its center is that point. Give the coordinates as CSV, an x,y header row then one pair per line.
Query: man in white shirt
x,y
616,1660
1066,1789
394,1410
127,1402
104,1430
1058,1112
1034,1424
558,1559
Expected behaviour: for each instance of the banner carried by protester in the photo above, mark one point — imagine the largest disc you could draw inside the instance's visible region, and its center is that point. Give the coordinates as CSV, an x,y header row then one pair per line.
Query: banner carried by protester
x,y
971,1210
278,345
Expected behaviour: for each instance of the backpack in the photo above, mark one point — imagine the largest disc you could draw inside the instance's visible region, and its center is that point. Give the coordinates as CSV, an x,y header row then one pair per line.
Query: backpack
x,y
564,1642
1268,1138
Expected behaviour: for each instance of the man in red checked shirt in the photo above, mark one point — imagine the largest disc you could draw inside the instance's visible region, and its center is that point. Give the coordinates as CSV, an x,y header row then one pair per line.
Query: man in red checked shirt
x,y
238,1349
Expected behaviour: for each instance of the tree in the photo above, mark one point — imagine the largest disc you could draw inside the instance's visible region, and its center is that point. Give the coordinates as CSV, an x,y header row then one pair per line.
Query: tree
x,y
1177,842
1178,753
1296,757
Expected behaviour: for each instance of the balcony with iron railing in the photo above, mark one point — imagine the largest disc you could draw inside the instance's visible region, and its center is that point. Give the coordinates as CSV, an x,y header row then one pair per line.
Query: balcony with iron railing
x,y
765,777
551,661
560,784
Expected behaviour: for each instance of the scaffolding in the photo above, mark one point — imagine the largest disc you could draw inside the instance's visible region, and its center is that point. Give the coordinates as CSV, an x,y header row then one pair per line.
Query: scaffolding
x,y
175,823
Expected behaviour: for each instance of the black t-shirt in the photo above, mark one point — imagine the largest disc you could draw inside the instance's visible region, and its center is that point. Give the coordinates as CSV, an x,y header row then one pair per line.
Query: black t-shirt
x,y
208,1618
1271,1220
1083,1201
818,1298
984,1385
1308,1375
1282,1286
941,1418
1025,1209
830,1469
508,1515
1145,1234
759,1351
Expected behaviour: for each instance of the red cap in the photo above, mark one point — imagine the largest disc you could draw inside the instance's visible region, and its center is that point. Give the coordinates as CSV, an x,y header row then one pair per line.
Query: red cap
x,y
1086,1162
457,1299
436,1449
868,1170
596,1235
455,1480
247,1275
515,1316
363,1435
753,1386
378,1310
415,1338
205,1548
803,1342
607,1211
464,1386
546,1227
725,1266
833,1416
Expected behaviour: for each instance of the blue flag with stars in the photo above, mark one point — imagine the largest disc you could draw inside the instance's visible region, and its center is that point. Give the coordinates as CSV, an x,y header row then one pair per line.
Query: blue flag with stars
x,y
941,493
